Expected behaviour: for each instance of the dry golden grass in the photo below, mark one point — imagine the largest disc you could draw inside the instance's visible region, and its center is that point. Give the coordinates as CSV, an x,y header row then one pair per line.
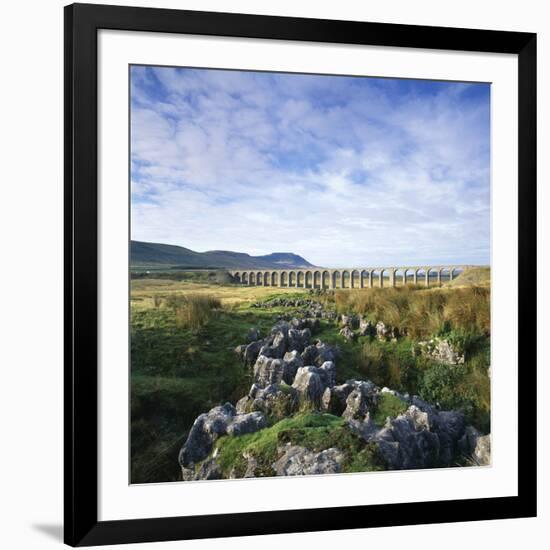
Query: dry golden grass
x,y
144,292
422,312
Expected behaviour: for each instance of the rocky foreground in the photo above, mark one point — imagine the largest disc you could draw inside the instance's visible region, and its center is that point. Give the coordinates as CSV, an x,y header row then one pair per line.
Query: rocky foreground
x,y
296,420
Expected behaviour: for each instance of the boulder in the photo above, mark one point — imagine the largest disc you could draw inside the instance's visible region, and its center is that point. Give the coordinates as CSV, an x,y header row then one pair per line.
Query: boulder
x,y
251,352
345,320
327,372
298,339
299,461
442,351
360,400
482,451
281,326
247,423
209,469
356,405
309,355
268,370
205,430
276,345
309,385
272,400
382,331
403,446
475,446
347,333
292,362
239,350
298,324
365,327
325,353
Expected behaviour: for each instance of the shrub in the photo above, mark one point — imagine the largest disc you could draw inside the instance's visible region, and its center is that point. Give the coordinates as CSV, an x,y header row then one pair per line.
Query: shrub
x,y
465,387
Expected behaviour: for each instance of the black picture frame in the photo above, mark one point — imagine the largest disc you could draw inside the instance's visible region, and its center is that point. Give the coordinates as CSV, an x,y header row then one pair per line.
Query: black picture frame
x,y
82,22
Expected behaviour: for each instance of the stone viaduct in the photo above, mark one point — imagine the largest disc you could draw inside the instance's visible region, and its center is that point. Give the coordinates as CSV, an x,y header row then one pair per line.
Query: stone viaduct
x,y
318,277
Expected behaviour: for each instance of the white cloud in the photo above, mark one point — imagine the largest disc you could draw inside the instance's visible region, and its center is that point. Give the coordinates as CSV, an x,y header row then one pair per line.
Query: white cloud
x,y
342,171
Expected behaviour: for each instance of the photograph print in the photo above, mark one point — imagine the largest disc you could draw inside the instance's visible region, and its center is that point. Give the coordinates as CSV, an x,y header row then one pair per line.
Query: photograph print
x,y
310,274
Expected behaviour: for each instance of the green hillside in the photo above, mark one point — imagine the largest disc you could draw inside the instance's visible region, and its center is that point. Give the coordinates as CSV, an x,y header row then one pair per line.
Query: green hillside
x,y
157,255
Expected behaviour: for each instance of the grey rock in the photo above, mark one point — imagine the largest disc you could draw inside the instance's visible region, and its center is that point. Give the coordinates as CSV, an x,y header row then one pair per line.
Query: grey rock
x,y
309,385
209,469
292,362
476,446
298,339
247,423
187,474
243,404
205,430
253,334
276,345
296,461
309,355
298,324
356,406
268,370
365,327
326,400
281,326
272,400
251,466
325,353
482,451
382,331
347,333
218,418
327,372
239,350
358,403
251,352
420,419
442,351
403,446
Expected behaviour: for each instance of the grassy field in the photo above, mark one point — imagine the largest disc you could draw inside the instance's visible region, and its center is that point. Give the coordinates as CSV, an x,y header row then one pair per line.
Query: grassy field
x,y
183,363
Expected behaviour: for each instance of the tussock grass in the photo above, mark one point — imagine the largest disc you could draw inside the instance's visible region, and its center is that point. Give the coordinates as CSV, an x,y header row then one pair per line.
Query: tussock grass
x,y
193,310
421,312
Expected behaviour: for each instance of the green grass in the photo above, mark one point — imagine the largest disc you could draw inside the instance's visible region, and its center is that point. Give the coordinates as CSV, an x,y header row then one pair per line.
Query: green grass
x,y
181,370
388,405
313,431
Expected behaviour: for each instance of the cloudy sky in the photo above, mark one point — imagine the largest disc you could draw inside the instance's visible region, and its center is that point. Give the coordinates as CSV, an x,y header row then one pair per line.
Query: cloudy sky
x,y
344,171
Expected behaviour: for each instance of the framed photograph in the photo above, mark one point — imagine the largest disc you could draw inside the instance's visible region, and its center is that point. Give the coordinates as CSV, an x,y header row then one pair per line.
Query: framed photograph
x,y
299,274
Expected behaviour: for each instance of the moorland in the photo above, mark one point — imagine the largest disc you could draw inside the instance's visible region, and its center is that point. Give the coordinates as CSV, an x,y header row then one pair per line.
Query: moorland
x,y
186,326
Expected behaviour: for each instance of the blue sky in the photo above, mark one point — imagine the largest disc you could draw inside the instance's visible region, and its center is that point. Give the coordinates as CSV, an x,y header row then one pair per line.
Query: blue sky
x,y
345,171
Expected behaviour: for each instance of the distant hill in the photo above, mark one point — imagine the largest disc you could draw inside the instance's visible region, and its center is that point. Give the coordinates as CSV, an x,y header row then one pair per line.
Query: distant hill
x,y
156,255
